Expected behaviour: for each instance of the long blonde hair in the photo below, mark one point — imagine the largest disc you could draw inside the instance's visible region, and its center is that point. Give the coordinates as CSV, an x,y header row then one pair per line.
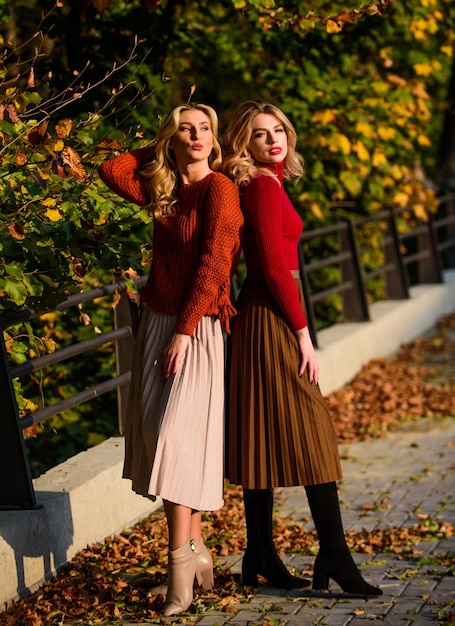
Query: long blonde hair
x,y
161,173
239,163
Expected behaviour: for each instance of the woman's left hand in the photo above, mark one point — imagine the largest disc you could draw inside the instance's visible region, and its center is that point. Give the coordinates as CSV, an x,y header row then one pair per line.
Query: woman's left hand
x,y
308,356
174,353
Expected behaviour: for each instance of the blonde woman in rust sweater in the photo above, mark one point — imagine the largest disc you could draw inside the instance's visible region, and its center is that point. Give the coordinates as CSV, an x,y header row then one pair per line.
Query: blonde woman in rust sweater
x,y
174,425
280,430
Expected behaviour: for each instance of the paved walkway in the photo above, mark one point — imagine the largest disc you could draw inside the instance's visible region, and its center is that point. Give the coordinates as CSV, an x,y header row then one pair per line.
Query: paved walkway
x,y
387,483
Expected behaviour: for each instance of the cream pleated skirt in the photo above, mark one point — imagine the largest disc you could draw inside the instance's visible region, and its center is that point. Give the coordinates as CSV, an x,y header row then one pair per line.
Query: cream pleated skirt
x,y
174,429
279,430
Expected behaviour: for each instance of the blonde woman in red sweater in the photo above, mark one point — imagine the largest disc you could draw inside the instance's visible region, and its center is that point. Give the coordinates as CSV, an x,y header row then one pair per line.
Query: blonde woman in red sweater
x,y
174,426
280,432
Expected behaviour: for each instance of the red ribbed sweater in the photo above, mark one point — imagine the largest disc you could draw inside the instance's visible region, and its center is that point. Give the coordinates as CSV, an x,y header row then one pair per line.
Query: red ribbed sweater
x,y
272,231
195,252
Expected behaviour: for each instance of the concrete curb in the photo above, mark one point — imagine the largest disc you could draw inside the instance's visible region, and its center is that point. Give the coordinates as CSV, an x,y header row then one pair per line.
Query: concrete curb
x,y
85,499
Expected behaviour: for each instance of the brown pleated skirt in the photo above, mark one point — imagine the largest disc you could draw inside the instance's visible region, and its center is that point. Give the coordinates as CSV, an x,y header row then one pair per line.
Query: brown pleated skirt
x,y
279,430
174,430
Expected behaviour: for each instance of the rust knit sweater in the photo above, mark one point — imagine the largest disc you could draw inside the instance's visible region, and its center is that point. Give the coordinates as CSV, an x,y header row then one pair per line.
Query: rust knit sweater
x,y
195,252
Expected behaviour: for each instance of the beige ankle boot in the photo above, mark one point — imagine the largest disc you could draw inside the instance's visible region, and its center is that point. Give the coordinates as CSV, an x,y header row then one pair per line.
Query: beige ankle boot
x,y
204,564
181,573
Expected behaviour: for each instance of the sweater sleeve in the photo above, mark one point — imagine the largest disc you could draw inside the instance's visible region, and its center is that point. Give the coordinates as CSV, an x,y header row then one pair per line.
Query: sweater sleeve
x,y
263,207
121,174
223,222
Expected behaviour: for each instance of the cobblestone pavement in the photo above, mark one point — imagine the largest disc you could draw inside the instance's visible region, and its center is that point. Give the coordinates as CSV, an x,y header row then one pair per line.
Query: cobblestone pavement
x,y
387,483
391,482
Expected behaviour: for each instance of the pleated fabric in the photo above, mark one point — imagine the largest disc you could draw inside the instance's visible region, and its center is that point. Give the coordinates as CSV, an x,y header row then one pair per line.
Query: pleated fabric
x,y
174,430
279,430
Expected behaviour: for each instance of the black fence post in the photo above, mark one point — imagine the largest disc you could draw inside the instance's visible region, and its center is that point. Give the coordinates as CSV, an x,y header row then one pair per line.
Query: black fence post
x,y
355,302
396,283
429,268
311,318
16,487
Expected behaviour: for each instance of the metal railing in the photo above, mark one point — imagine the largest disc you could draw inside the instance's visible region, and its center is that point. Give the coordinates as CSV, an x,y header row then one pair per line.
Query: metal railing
x,y
416,256
16,488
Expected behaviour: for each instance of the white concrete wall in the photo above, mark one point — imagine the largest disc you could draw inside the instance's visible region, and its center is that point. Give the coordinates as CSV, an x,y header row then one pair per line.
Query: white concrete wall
x,y
85,499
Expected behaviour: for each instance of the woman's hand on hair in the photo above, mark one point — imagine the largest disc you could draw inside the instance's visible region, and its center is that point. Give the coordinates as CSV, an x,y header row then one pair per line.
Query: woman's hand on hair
x,y
174,353
308,358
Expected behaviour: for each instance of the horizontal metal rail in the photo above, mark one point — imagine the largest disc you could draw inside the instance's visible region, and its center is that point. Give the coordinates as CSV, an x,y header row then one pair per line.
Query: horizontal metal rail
x,y
66,353
79,398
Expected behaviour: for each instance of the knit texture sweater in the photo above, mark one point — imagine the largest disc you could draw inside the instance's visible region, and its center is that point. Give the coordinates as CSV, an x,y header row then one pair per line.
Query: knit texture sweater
x,y
195,252
272,231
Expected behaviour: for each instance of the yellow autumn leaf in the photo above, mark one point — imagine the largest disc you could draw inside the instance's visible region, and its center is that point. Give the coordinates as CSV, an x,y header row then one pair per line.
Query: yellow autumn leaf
x,y
420,212
50,345
420,91
428,3
386,132
374,102
359,611
325,117
447,50
316,210
418,28
423,140
402,199
53,214
21,159
403,109
362,170
339,143
316,140
365,129
408,188
48,202
361,151
379,158
332,27
101,219
63,128
423,69
29,405
351,182
59,145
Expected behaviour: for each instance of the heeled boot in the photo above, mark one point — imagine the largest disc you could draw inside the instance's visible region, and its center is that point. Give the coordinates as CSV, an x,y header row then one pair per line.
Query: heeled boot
x,y
334,559
204,564
260,556
181,573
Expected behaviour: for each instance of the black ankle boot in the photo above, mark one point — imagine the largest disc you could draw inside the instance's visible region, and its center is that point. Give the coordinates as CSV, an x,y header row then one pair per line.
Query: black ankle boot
x,y
345,573
334,559
261,557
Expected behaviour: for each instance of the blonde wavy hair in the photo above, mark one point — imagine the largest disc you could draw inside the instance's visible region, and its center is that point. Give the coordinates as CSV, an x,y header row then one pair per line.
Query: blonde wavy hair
x,y
239,163
161,173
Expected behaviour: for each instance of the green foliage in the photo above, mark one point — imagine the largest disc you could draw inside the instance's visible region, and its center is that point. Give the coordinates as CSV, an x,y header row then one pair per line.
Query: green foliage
x,y
58,223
